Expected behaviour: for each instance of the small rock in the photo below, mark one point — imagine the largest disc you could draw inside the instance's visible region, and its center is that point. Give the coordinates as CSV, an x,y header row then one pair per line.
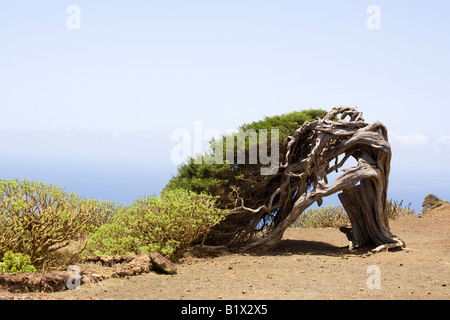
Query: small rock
x,y
163,264
95,277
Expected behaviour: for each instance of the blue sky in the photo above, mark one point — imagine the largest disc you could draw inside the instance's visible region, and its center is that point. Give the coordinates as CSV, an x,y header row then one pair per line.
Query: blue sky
x,y
92,109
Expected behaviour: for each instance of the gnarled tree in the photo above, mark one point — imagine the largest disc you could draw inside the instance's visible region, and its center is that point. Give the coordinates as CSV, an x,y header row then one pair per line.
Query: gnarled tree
x,y
262,207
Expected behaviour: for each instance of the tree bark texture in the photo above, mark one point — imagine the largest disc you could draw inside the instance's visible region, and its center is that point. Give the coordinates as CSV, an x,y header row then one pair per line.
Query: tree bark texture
x,y
314,151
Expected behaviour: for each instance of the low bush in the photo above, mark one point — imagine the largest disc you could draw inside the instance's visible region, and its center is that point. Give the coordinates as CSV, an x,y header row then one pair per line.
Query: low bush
x,y
336,216
38,219
395,209
16,263
167,224
431,202
330,216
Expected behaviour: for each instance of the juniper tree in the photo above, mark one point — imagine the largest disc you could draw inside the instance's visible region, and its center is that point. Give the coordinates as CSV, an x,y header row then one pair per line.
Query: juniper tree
x,y
312,145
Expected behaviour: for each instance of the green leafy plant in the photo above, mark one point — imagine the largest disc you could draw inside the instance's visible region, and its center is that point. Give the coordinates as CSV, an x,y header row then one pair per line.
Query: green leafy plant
x,y
16,263
38,219
167,224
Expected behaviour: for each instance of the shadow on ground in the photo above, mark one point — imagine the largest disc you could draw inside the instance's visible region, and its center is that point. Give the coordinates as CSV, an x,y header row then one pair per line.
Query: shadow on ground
x,y
309,247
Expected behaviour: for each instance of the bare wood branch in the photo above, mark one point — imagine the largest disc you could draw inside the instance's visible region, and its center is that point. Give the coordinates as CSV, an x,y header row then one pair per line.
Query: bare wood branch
x,y
302,179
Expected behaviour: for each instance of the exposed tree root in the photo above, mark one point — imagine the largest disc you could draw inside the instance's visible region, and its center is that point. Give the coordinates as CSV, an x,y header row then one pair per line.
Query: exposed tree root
x,y
389,246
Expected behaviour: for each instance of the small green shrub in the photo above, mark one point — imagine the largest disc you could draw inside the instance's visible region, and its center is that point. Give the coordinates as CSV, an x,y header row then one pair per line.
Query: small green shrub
x,y
38,219
167,224
103,213
331,216
16,263
431,202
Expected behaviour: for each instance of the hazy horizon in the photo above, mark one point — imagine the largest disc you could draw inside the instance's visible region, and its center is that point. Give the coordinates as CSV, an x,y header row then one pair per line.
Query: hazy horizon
x,y
122,167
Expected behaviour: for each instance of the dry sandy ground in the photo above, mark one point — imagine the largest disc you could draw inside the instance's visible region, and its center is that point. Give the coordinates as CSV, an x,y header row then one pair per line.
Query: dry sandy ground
x,y
307,264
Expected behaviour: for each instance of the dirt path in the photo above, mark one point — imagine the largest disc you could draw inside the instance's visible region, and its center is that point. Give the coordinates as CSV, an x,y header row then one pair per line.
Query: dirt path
x,y
307,264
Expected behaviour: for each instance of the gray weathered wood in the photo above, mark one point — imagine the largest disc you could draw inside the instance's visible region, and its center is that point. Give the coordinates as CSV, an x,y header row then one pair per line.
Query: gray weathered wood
x,y
363,188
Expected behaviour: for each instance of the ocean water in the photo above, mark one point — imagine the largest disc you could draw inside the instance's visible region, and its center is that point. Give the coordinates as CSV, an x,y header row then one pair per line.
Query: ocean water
x,y
123,182
123,167
117,181
104,166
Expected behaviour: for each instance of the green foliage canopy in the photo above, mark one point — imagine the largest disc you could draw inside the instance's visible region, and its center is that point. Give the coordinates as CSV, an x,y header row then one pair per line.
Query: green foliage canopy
x,y
216,179
231,182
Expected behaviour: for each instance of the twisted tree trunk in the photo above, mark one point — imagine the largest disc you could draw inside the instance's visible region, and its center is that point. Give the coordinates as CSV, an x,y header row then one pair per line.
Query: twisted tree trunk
x,y
302,179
